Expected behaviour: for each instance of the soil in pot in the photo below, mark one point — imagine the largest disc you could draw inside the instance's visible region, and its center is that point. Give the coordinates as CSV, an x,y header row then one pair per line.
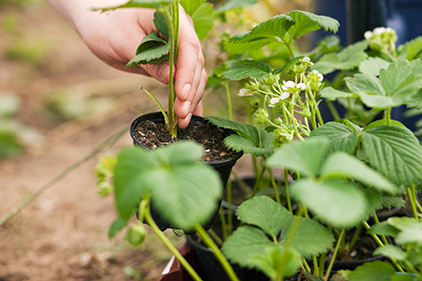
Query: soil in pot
x,y
151,132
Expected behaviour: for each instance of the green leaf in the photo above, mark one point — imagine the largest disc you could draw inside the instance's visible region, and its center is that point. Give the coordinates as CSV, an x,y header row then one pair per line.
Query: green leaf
x,y
410,230
389,202
162,25
129,172
203,20
245,145
391,251
239,48
365,83
234,4
306,22
117,225
382,122
242,69
383,228
264,213
348,58
402,80
245,130
274,258
244,243
413,48
267,31
310,238
372,66
333,94
190,6
370,271
185,191
302,156
311,277
151,50
288,66
341,164
152,4
342,138
395,152
335,201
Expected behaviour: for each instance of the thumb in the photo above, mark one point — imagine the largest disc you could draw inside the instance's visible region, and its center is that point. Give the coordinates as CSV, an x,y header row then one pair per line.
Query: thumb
x,y
160,72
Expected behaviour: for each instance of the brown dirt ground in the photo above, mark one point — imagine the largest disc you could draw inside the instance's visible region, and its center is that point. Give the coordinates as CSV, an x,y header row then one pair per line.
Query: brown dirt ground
x,y
62,235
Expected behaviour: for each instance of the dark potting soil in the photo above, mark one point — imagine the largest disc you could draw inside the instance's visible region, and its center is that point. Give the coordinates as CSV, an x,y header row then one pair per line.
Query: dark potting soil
x,y
155,134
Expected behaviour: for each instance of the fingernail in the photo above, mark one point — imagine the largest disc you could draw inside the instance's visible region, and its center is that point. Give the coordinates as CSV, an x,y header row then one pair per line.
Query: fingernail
x,y
187,119
186,106
163,72
185,92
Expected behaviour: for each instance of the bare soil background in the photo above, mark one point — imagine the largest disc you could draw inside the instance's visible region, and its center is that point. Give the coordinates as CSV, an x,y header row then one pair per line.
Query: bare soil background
x,y
62,235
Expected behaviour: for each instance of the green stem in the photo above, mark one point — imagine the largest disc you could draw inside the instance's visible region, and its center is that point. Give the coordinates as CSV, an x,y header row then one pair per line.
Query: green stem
x,y
286,184
216,238
277,196
412,199
355,237
334,254
171,17
257,182
166,118
217,253
229,99
223,223
384,239
333,110
229,214
169,245
387,115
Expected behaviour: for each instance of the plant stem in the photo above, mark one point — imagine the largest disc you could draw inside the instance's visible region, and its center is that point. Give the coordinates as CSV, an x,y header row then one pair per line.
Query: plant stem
x,y
355,237
286,184
229,213
24,202
166,118
412,199
334,254
229,99
387,115
216,238
333,110
223,223
217,253
169,245
384,239
171,16
277,196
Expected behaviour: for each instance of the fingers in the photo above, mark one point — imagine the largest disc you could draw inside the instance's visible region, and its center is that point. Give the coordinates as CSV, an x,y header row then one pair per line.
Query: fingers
x,y
191,78
185,109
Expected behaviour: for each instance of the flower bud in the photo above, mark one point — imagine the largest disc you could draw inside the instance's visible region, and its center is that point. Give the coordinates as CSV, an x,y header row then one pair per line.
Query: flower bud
x,y
261,115
136,235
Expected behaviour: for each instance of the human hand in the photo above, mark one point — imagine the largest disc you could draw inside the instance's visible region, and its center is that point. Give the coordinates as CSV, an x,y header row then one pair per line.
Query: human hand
x,y
114,36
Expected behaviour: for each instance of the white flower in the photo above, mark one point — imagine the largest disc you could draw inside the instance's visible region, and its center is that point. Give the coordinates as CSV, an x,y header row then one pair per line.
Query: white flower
x,y
315,75
284,95
273,102
301,86
244,93
379,30
368,35
305,59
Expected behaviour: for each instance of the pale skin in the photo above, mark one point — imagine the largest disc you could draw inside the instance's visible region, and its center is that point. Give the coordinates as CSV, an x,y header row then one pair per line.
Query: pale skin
x,y
114,36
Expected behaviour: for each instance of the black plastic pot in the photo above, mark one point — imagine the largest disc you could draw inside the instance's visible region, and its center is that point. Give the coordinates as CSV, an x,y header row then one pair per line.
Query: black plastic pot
x,y
223,167
208,267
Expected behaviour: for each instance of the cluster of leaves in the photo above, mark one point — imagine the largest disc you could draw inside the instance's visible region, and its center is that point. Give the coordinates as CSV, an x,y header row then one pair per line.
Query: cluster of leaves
x,y
9,142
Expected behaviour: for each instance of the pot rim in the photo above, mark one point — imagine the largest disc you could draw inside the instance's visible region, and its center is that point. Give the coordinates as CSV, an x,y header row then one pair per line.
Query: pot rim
x,y
194,118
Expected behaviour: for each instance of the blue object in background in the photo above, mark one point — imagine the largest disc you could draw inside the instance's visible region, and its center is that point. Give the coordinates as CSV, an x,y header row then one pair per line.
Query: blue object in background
x,y
357,16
